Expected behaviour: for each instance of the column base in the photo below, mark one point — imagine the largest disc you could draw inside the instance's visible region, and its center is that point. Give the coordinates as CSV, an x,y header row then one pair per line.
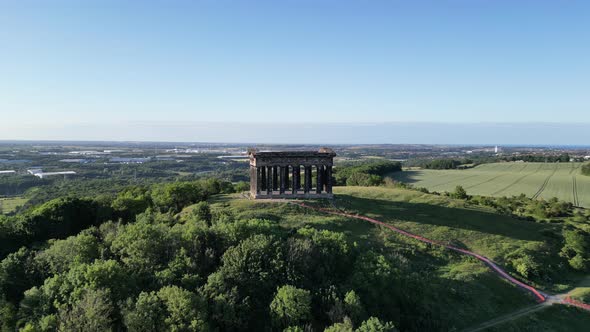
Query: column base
x,y
288,195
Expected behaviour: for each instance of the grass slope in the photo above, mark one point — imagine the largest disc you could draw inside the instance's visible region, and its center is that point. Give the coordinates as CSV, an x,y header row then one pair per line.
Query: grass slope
x,y
463,291
554,318
539,180
7,205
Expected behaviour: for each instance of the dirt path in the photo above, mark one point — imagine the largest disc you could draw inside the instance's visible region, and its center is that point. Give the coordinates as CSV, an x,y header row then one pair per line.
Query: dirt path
x,y
540,296
509,317
543,299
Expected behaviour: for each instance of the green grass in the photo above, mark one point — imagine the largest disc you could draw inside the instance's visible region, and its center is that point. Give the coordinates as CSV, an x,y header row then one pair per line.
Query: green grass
x,y
463,289
542,180
8,205
555,318
582,290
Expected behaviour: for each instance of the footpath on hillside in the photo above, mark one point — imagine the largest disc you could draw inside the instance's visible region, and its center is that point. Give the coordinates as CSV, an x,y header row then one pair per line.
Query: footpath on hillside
x,y
542,298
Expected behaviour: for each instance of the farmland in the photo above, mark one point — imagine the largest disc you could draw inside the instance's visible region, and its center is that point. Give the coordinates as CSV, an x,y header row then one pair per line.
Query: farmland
x,y
8,205
536,180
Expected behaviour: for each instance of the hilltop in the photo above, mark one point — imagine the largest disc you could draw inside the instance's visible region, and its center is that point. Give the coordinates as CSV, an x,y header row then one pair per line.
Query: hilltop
x,y
195,256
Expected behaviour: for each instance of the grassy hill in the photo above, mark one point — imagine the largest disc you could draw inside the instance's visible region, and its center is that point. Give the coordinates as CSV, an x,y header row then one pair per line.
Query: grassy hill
x,y
538,180
460,291
189,254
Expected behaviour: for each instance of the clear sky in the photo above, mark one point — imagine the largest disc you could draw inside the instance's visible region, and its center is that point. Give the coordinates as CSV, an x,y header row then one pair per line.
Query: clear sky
x,y
148,69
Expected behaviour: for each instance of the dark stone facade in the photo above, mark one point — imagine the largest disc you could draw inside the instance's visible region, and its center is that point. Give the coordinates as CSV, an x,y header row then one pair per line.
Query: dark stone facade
x,y
290,174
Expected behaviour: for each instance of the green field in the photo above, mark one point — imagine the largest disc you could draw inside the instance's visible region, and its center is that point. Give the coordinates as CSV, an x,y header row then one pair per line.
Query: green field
x,y
7,205
537,180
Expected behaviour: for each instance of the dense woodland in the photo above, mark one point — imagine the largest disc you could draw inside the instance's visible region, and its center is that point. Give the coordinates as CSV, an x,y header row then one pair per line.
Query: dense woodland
x,y
365,174
129,262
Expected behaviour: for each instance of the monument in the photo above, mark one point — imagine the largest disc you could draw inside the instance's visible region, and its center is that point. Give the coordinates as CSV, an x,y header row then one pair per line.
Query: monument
x,y
278,174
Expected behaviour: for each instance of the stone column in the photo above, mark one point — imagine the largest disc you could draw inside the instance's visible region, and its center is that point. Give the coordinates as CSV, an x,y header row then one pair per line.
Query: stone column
x,y
253,180
275,177
282,175
269,184
307,179
263,178
287,185
319,179
329,179
294,179
258,179
297,172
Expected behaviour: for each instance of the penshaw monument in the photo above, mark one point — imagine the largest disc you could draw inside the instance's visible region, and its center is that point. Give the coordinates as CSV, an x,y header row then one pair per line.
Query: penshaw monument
x,y
291,174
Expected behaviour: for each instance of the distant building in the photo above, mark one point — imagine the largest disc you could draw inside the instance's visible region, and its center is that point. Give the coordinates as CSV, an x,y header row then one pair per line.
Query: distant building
x,y
129,160
7,172
244,156
88,153
44,175
75,161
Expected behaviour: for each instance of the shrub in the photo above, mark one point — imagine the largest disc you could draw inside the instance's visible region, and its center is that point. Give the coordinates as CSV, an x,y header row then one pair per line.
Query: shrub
x,y
460,193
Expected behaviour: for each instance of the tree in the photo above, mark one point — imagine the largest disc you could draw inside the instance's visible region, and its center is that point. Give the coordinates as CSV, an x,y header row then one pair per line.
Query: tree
x,y
17,274
460,193
291,306
363,179
143,247
578,262
170,309
353,306
242,186
185,311
7,315
202,212
345,326
330,252
131,202
68,288
34,305
92,313
175,196
373,324
64,216
146,314
293,329
526,266
83,248
243,287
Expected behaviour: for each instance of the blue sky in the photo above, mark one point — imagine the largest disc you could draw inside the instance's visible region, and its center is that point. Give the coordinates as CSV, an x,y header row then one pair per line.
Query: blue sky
x,y
119,67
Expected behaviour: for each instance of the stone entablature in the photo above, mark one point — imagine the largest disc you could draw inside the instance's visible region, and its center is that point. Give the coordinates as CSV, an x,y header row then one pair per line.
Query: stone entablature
x,y
278,174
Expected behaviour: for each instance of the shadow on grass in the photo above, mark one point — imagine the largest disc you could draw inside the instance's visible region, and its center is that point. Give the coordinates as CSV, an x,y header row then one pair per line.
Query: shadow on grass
x,y
459,218
406,176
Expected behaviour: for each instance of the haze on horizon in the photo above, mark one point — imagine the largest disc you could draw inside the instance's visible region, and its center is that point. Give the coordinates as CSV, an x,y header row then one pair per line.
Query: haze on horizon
x,y
499,72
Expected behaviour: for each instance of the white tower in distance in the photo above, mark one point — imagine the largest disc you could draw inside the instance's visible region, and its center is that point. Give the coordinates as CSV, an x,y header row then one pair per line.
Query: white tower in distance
x,y
496,149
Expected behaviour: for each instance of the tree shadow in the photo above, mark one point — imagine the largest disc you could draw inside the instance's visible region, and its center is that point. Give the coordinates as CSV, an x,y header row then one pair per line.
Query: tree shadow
x,y
406,176
457,218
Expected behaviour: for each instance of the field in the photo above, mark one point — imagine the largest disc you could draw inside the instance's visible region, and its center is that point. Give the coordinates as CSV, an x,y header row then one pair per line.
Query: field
x,y
537,180
8,205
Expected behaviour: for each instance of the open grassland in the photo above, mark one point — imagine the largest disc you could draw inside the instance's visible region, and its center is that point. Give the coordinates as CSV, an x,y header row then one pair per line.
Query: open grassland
x,y
8,205
537,180
460,289
553,318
